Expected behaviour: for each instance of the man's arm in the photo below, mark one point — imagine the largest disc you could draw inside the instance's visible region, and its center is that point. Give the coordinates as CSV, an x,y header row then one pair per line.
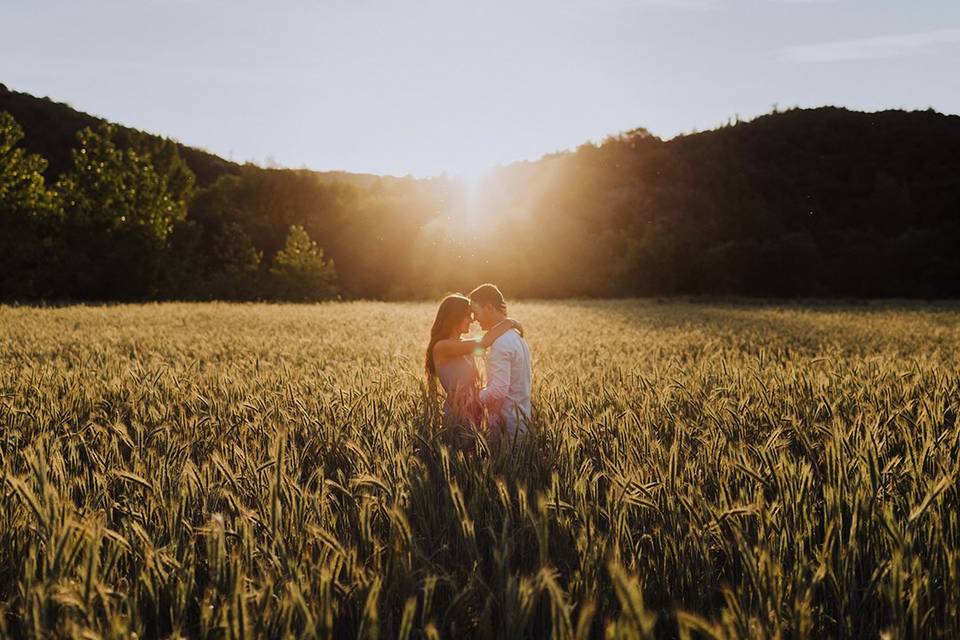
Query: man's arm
x,y
498,377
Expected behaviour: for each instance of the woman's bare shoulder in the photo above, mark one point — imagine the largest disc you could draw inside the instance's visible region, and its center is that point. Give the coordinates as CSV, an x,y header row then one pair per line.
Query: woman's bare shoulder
x,y
443,348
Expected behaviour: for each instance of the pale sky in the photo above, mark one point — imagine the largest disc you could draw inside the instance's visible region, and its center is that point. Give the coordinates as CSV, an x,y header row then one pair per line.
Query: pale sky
x,y
401,87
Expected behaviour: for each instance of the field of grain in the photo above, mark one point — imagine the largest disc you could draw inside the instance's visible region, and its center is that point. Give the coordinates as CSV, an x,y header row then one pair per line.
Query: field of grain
x,y
695,470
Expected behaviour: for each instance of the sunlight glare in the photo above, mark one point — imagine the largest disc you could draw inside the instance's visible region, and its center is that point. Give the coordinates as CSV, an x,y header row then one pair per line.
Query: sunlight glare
x,y
473,183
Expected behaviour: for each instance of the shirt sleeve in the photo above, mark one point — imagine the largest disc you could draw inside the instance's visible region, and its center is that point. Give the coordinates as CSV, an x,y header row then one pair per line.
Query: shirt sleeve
x,y
498,377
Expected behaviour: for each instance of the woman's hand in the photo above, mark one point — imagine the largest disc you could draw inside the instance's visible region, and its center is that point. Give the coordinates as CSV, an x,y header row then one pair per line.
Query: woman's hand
x,y
496,331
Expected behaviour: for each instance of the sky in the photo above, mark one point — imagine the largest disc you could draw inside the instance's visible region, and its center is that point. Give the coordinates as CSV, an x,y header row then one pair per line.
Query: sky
x,y
448,86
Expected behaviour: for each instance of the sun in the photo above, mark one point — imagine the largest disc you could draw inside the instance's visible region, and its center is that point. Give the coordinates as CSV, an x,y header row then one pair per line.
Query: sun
x,y
474,183
472,178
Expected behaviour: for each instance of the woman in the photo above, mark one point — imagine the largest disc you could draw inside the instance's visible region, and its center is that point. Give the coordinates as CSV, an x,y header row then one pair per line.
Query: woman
x,y
450,358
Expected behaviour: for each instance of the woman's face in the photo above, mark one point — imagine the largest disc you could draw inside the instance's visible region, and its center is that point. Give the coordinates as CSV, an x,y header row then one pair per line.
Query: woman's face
x,y
464,326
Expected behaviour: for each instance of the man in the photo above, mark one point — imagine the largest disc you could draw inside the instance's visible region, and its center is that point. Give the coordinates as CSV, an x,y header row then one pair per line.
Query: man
x,y
507,393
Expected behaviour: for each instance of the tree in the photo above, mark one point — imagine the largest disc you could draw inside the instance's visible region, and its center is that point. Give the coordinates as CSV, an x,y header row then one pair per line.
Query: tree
x,y
234,251
119,190
22,187
119,212
27,216
165,157
299,270
233,266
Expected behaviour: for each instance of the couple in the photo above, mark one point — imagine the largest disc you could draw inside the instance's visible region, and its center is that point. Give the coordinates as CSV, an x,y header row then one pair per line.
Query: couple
x,y
505,399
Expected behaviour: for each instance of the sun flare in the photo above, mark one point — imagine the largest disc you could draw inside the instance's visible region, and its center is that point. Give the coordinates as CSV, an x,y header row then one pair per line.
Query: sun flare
x,y
474,185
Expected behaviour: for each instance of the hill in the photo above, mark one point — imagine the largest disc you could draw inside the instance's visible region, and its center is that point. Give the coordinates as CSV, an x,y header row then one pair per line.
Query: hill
x,y
820,201
805,202
51,130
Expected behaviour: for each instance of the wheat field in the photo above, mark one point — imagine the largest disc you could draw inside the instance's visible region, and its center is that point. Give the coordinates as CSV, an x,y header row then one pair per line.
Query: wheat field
x,y
695,471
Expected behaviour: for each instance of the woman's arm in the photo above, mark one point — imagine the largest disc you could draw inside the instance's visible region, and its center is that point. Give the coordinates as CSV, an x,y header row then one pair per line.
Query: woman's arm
x,y
444,350
496,331
515,324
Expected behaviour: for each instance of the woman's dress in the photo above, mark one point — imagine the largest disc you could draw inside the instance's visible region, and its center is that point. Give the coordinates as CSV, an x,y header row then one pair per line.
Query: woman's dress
x,y
461,409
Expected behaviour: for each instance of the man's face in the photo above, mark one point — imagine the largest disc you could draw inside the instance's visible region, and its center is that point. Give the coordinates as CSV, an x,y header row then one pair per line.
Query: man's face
x,y
482,315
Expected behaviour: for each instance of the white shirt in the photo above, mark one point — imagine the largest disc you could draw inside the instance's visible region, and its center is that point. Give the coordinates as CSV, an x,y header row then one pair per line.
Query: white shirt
x,y
509,379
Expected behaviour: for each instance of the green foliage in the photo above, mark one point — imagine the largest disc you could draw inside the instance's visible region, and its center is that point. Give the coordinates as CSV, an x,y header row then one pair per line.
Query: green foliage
x,y
300,271
27,209
164,155
248,216
22,188
120,190
701,471
120,211
234,250
233,267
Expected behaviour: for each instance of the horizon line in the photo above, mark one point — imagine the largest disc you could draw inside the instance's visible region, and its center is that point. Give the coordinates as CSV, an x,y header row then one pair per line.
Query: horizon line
x,y
266,163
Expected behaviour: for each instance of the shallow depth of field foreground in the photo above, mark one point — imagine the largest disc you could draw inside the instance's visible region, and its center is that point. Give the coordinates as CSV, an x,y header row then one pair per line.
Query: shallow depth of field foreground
x,y
258,470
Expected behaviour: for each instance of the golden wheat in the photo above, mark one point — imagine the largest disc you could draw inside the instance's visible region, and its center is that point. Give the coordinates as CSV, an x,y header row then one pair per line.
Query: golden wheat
x,y
695,470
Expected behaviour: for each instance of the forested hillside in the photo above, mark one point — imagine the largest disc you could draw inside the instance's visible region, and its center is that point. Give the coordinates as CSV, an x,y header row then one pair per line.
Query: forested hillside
x,y
821,202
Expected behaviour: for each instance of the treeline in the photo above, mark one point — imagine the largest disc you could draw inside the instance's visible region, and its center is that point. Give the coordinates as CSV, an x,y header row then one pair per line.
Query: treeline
x,y
115,225
824,202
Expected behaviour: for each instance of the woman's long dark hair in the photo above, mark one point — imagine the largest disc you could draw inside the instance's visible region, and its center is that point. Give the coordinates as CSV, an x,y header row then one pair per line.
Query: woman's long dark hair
x,y
453,309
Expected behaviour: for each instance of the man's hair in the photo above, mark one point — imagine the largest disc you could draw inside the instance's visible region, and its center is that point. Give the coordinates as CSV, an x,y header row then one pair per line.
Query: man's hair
x,y
488,294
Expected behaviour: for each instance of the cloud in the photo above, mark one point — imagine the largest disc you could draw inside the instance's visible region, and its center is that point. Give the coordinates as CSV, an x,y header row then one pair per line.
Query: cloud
x,y
871,48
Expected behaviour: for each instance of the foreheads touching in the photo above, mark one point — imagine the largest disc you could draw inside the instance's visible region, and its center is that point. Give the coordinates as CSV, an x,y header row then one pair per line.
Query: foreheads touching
x,y
488,305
